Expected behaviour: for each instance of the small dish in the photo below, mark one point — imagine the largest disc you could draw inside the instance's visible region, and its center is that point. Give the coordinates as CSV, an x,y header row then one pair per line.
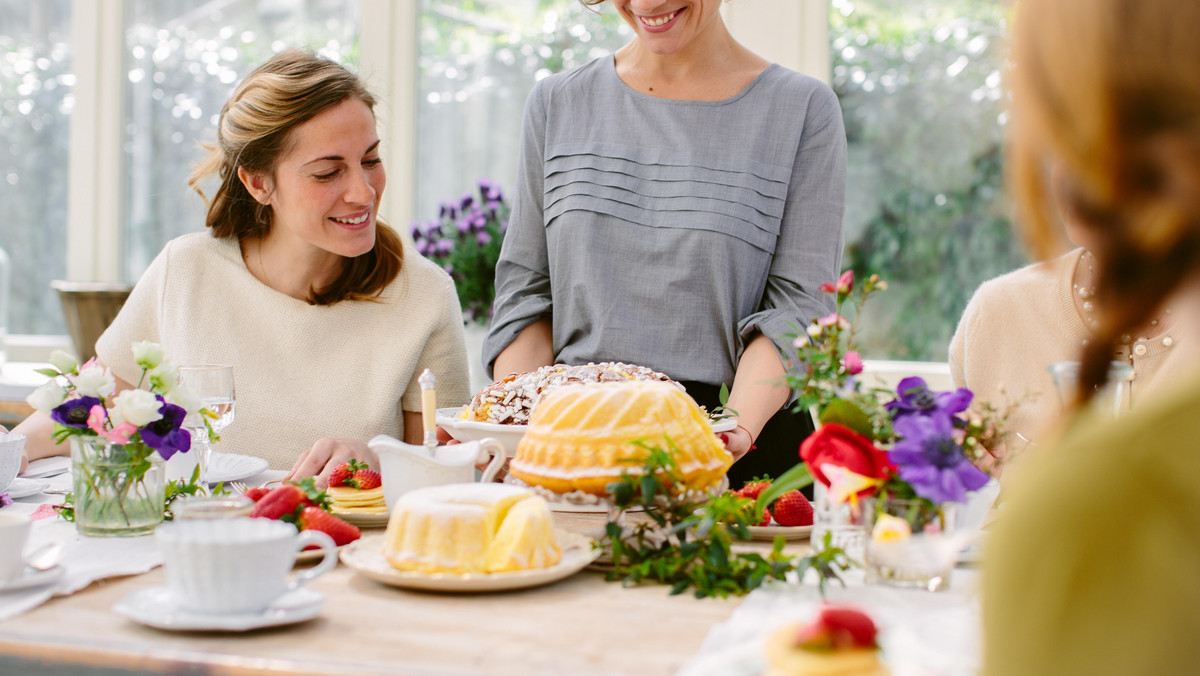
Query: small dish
x,y
155,607
366,557
788,532
31,577
364,520
226,467
23,488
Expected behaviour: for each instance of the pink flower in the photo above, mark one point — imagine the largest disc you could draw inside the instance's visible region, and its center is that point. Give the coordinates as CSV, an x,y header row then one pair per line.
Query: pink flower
x,y
118,435
828,287
834,319
121,433
97,416
852,363
845,283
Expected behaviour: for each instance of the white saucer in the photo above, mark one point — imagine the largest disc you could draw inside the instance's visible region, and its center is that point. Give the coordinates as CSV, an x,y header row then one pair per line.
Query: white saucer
x,y
155,607
225,467
31,578
23,488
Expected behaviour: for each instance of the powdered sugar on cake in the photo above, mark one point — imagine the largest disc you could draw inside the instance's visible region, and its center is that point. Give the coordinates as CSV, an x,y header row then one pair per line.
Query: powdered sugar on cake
x,y
510,400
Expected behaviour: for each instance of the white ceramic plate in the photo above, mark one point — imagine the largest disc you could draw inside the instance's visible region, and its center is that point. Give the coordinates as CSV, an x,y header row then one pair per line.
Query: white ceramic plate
x,y
224,467
366,556
30,578
450,419
788,532
364,520
23,488
154,606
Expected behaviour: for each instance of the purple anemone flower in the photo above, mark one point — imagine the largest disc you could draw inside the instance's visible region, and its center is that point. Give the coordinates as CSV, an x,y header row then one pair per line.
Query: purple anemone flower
x,y
74,412
914,396
166,434
931,460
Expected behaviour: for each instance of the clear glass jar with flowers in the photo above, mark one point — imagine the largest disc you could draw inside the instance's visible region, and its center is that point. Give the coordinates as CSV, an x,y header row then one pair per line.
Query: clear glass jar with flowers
x,y
465,240
893,467
119,441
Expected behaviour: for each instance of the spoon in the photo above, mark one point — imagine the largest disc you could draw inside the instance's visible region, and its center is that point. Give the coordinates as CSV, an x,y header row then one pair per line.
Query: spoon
x,y
45,557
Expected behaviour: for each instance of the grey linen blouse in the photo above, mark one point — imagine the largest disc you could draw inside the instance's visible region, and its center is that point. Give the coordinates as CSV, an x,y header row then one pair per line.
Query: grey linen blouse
x,y
666,233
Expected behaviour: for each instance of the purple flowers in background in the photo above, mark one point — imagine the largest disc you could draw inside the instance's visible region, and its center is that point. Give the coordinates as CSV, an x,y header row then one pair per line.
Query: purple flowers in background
x,y
74,412
914,396
465,241
931,460
5,500
166,434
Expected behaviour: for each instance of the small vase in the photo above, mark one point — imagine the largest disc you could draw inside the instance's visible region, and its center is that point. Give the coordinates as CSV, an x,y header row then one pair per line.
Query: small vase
x,y
923,559
118,489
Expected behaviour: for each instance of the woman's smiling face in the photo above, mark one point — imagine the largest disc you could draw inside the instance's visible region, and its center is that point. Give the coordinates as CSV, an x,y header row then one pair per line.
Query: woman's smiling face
x,y
327,186
666,26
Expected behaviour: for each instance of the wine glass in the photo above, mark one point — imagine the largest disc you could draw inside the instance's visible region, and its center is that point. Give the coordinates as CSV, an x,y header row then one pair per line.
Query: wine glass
x,y
212,384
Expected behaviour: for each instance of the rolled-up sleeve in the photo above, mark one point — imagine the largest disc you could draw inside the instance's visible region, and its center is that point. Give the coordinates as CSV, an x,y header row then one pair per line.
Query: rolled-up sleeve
x,y
809,250
523,270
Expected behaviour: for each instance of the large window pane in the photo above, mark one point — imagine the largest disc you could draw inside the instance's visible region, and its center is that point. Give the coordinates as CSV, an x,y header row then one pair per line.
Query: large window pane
x,y
35,109
478,60
183,59
919,83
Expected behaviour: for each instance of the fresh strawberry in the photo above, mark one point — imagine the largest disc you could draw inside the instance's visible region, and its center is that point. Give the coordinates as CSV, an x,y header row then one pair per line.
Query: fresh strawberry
x,y
753,488
838,628
766,518
312,494
792,509
279,503
256,493
340,475
366,479
315,518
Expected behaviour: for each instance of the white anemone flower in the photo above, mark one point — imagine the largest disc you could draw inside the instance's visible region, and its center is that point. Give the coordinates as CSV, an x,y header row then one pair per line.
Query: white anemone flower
x,y
94,381
164,377
138,407
183,397
47,396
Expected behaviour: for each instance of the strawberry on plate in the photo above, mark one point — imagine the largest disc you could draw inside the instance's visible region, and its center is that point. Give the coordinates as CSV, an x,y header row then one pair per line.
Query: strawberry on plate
x,y
365,479
282,501
792,509
753,488
315,518
838,628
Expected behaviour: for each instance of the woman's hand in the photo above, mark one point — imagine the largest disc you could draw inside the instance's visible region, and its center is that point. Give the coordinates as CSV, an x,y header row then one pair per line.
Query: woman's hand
x,y
326,454
737,441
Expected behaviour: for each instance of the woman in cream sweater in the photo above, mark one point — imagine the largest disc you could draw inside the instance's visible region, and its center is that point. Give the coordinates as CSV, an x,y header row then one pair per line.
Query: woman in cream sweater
x,y
325,316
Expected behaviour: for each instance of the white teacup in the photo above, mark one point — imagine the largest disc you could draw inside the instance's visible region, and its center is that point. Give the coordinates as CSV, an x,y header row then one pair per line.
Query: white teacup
x,y
236,566
11,445
14,532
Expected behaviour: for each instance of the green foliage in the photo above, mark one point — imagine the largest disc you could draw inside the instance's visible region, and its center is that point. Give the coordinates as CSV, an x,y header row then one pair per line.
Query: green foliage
x,y
687,542
175,489
919,82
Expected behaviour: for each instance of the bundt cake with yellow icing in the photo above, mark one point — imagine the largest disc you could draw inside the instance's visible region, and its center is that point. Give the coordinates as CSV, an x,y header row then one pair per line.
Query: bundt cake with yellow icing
x,y
509,400
470,528
582,438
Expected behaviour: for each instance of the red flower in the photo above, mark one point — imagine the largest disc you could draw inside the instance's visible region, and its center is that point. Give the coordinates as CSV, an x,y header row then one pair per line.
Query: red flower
x,y
841,446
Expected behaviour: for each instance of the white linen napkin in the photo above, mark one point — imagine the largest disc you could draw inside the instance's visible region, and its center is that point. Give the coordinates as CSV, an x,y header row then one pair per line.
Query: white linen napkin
x,y
84,561
920,633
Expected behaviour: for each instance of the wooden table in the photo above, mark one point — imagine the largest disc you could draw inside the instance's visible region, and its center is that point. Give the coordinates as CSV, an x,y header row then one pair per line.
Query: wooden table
x,y
581,625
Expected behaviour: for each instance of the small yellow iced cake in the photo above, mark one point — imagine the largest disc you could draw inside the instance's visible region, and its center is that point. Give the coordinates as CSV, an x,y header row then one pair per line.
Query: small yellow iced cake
x,y
581,438
839,642
470,528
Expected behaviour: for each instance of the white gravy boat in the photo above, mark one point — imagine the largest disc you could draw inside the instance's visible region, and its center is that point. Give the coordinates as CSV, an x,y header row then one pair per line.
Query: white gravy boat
x,y
406,467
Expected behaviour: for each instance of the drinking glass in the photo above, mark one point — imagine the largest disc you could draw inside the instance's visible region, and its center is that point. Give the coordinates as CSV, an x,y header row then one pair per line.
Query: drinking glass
x,y
213,385
1111,398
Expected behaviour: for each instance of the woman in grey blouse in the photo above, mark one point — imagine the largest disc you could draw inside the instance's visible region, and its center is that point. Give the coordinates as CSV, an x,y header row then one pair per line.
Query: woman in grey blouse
x,y
679,204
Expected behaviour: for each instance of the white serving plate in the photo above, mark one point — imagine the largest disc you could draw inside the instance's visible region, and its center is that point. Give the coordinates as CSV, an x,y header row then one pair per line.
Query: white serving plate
x,y
366,556
225,467
788,532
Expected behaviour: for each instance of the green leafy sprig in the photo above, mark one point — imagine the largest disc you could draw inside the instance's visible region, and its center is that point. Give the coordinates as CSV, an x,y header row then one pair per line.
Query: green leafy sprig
x,y
175,489
687,542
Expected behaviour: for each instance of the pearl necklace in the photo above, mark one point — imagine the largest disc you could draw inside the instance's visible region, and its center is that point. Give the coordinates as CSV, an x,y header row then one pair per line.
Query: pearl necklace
x,y
1087,306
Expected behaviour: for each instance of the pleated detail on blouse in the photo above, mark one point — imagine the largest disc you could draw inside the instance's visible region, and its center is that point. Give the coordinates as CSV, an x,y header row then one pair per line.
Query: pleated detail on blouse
x,y
660,189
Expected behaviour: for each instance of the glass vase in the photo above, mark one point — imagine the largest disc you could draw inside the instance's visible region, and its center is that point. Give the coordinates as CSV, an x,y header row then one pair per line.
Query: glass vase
x,y
118,489
919,556
842,522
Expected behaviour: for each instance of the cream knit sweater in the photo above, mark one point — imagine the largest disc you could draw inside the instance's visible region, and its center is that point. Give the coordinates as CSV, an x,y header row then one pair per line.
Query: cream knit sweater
x,y
1019,323
302,372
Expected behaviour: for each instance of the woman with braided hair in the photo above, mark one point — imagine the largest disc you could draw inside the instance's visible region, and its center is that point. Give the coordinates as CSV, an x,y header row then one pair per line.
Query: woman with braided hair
x,y
1091,567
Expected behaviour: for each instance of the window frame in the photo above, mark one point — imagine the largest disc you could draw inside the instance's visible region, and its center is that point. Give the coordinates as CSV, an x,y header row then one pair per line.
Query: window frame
x,y
388,63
